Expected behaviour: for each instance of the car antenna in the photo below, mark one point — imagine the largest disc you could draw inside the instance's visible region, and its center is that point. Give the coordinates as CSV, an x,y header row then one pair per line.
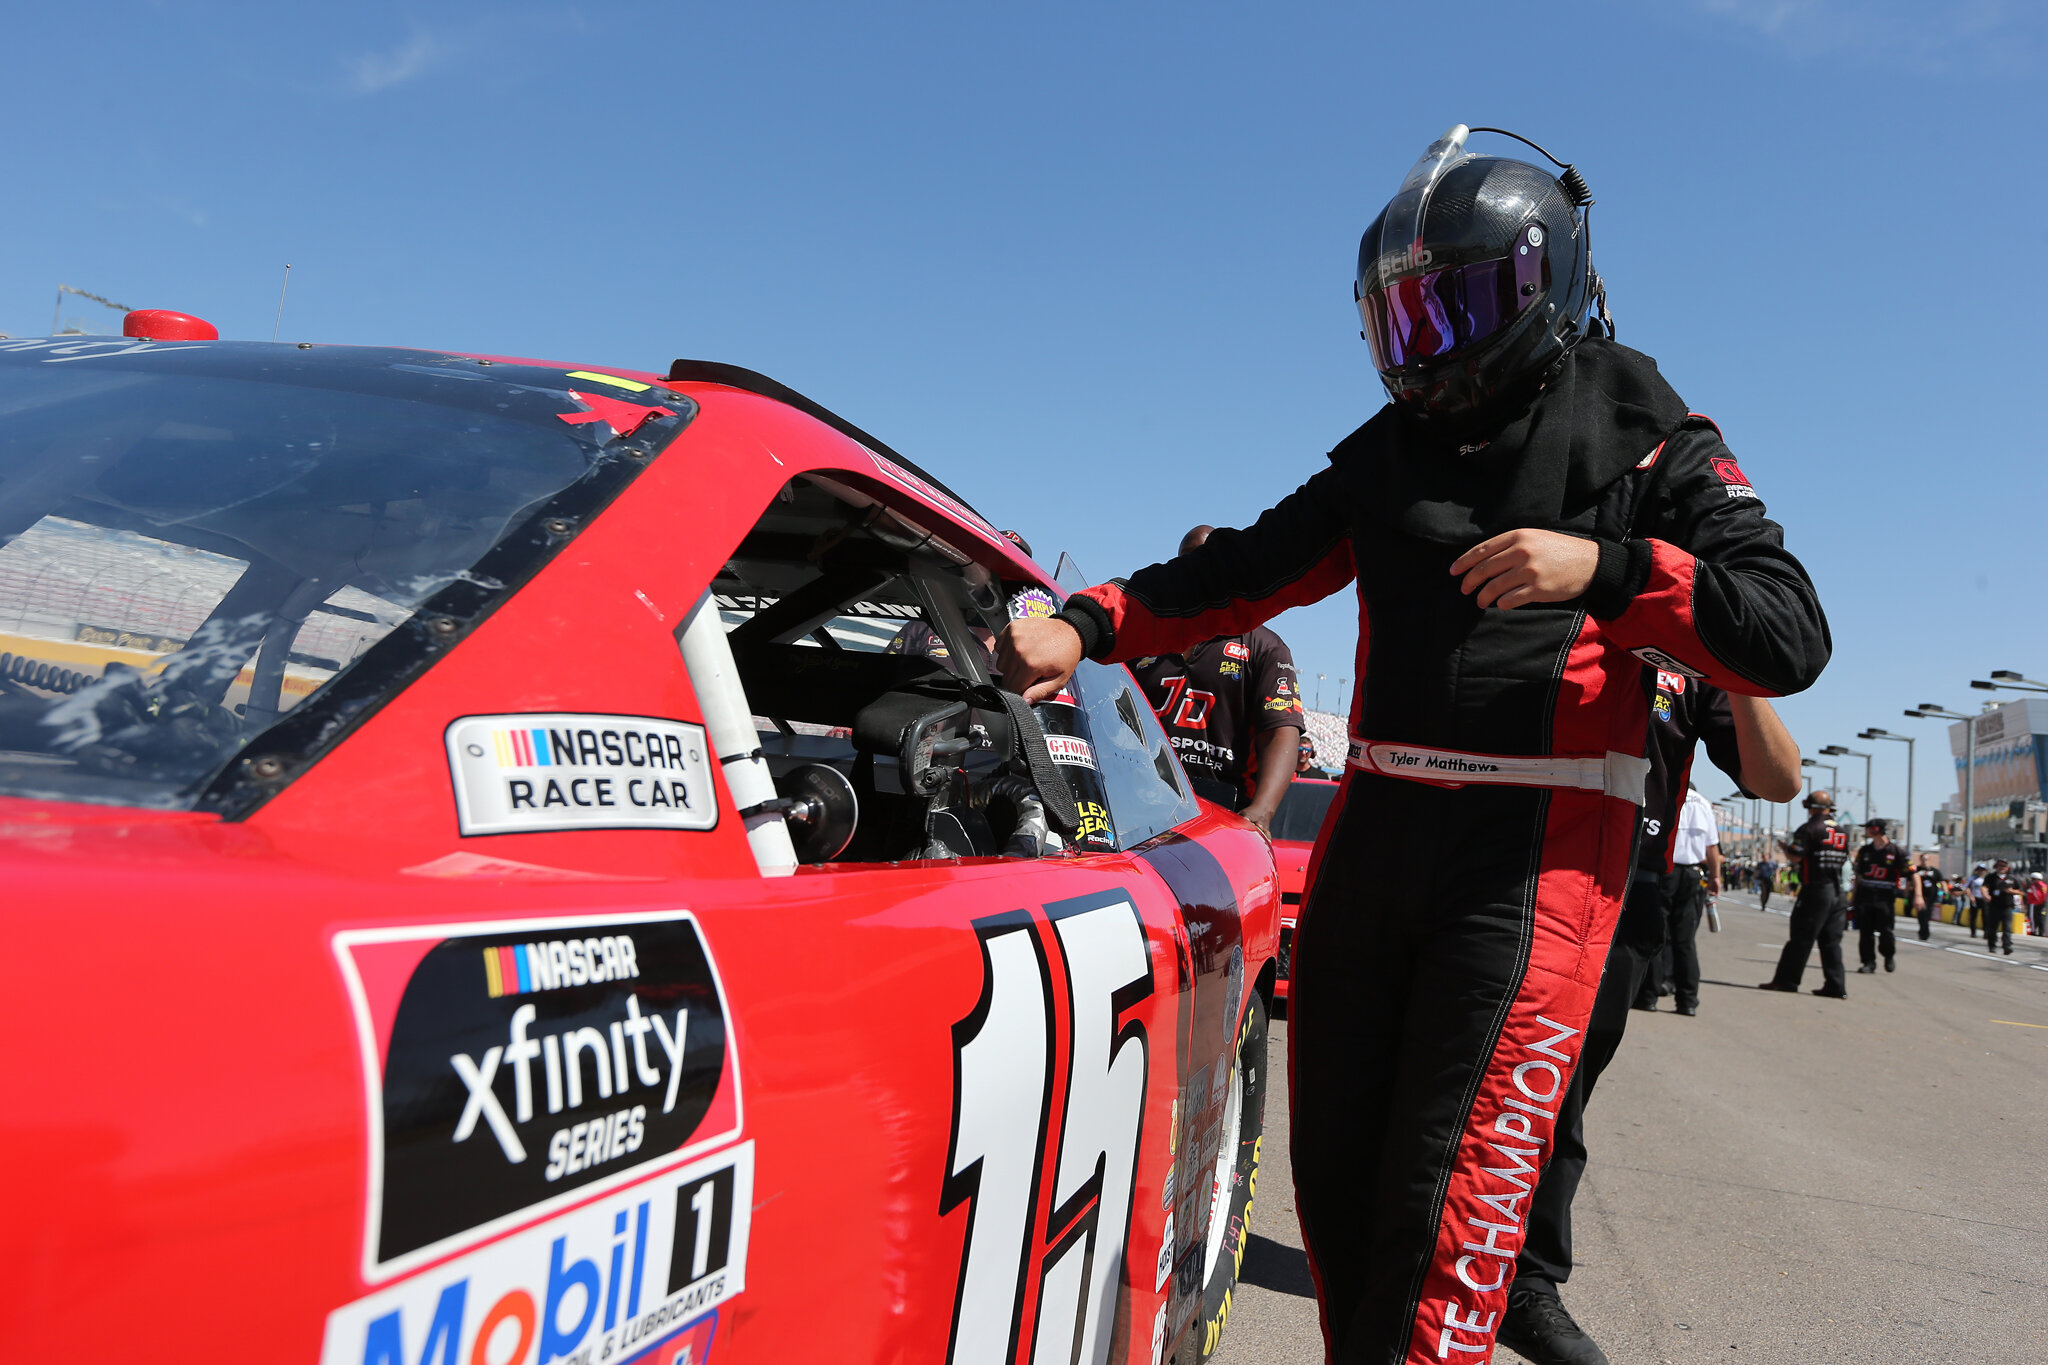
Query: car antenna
x,y
279,324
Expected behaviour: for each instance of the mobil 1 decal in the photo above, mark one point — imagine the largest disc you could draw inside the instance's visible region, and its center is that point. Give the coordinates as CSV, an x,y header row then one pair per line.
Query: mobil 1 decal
x,y
633,1278
528,773
511,1066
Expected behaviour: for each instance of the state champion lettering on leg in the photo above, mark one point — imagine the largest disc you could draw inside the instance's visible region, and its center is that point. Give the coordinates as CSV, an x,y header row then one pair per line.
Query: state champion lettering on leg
x,y
1520,1127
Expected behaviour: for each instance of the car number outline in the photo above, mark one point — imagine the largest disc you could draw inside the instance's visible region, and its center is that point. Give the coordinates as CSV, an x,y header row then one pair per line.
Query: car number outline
x,y
999,1166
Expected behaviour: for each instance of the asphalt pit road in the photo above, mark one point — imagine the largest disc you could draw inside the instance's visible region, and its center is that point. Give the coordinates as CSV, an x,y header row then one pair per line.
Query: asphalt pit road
x,y
1271,1265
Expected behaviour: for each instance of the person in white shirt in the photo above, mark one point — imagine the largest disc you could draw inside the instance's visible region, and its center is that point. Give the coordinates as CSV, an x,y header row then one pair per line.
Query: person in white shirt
x,y
1695,874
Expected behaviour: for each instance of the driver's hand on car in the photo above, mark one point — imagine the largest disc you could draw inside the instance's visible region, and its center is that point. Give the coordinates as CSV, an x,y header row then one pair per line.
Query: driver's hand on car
x,y
1036,656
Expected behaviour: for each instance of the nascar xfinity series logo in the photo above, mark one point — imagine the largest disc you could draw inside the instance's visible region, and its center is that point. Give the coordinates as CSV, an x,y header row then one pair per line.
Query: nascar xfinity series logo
x,y
553,772
513,1064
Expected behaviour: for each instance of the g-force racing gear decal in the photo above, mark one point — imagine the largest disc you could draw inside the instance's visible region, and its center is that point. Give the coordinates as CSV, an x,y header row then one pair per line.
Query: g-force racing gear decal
x,y
509,1066
528,773
622,1280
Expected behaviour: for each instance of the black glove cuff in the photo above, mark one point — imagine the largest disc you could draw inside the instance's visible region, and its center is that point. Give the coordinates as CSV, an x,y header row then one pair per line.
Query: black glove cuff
x,y
1621,575
1091,623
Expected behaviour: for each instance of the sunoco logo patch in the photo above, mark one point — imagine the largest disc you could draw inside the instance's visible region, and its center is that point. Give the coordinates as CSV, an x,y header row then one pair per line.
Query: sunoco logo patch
x,y
511,1066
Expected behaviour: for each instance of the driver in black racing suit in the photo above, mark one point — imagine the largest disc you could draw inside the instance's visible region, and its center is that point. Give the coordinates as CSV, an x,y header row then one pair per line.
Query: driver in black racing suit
x,y
1536,525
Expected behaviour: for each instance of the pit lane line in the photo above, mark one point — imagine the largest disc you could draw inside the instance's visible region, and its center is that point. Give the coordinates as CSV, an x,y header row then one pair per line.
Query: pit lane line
x,y
1944,947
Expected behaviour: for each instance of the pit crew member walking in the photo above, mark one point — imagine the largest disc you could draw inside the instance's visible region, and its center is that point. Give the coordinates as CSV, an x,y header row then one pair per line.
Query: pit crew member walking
x,y
1882,875
1695,874
1817,851
1535,523
1232,708
1927,877
1998,906
1743,736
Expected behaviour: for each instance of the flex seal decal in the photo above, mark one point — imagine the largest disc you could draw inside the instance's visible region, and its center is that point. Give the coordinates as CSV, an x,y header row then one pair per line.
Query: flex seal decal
x,y
516,1067
530,773
632,1279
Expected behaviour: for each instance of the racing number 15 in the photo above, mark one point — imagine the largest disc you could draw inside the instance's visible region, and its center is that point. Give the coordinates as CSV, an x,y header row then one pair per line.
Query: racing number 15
x,y
1003,1115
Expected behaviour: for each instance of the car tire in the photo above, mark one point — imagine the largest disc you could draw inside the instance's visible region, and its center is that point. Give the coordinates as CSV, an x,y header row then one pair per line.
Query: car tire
x,y
1235,1180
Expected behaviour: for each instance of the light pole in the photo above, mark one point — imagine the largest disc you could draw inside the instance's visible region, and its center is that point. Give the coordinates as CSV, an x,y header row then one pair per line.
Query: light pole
x,y
1742,801
1907,740
1321,678
2006,678
1838,751
1927,710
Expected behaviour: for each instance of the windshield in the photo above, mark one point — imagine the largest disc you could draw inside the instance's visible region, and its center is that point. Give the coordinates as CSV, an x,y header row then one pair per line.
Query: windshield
x,y
196,540
1301,812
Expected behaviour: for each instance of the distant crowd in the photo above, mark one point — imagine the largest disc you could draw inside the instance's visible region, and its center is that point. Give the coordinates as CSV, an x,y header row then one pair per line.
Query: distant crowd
x,y
1970,899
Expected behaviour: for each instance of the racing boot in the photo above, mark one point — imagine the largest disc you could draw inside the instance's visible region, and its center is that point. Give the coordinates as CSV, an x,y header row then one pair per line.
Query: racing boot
x,y
1537,1326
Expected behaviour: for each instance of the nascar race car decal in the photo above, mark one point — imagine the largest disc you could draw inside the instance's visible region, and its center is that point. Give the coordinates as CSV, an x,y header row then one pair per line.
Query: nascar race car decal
x,y
510,1066
550,772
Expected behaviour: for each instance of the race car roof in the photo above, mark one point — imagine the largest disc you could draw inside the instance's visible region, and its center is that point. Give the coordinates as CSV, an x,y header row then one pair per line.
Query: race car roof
x,y
753,381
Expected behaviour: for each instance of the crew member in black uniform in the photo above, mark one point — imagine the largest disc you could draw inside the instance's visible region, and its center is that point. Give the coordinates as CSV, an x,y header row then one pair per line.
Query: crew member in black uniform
x,y
1817,851
1744,737
1998,906
1927,881
1232,708
1883,874
1536,523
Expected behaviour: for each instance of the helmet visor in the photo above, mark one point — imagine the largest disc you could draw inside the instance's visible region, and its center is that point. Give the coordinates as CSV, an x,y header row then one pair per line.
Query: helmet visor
x,y
1440,312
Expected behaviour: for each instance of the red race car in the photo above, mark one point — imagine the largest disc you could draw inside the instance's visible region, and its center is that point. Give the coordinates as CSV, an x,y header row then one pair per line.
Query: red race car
x,y
1295,826
510,862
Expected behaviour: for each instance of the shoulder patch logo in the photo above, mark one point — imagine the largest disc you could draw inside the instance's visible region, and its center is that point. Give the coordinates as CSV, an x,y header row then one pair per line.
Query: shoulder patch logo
x,y
1658,659
1731,474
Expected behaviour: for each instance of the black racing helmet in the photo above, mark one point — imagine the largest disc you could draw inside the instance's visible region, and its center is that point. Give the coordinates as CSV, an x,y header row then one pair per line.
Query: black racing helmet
x,y
1474,279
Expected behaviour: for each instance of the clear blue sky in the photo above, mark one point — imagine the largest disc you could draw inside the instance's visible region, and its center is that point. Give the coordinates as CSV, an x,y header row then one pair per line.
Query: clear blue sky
x,y
1092,263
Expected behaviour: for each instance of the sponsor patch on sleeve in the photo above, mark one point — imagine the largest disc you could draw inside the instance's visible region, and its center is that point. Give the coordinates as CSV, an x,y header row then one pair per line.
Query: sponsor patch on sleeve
x,y
530,773
1732,476
515,1068
1664,663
